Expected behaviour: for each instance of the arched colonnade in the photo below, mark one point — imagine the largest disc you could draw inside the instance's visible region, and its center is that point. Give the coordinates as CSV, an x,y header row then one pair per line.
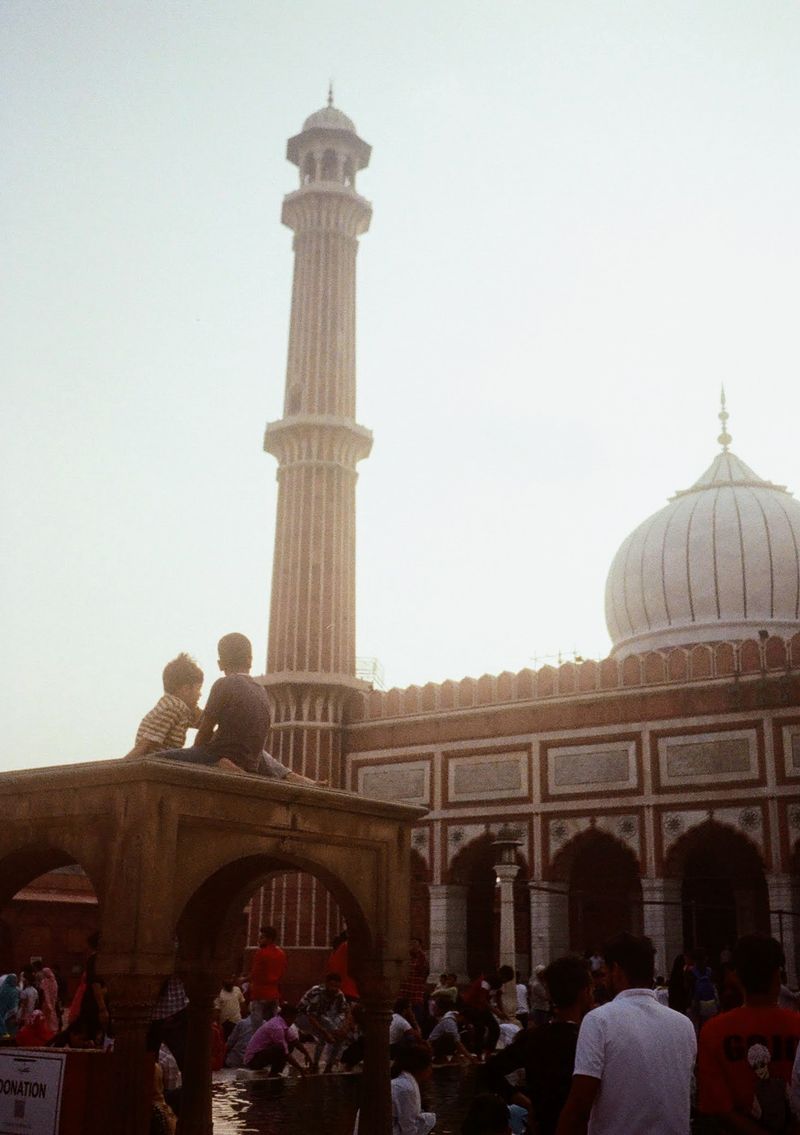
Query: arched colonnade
x,y
712,888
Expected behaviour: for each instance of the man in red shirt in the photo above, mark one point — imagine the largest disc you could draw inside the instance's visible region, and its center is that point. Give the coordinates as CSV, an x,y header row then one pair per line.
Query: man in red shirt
x,y
266,970
746,1054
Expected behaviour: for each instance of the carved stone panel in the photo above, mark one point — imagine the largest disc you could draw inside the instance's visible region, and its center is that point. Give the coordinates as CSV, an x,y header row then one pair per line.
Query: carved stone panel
x,y
406,783
484,777
579,767
708,757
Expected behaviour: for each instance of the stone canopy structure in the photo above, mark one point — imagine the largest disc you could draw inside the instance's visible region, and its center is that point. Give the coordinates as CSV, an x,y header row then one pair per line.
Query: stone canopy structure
x,y
174,852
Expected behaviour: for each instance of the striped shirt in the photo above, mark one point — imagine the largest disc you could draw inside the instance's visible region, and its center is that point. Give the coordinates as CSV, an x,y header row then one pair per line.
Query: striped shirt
x,y
166,723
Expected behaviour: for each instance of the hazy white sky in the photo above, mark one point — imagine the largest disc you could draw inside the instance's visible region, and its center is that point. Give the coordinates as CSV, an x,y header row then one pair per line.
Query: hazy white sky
x,y
585,219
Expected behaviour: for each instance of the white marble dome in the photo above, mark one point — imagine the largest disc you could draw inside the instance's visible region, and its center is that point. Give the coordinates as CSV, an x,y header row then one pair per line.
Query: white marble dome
x,y
720,562
329,118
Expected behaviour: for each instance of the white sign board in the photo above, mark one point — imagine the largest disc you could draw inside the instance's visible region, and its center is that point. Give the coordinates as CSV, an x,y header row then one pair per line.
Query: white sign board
x,y
30,1091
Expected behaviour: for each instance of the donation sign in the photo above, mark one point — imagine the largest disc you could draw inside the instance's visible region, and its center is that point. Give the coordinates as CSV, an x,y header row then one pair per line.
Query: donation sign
x,y
30,1091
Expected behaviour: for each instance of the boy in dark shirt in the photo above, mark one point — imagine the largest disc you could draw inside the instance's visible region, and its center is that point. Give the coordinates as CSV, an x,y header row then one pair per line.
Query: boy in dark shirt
x,y
235,721
547,1052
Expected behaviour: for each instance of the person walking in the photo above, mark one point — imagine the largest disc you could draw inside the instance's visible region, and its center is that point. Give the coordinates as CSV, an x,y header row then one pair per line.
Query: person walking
x,y
634,1057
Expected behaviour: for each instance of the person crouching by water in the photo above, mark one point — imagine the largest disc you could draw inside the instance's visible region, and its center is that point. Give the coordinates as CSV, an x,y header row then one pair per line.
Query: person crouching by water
x,y
271,1044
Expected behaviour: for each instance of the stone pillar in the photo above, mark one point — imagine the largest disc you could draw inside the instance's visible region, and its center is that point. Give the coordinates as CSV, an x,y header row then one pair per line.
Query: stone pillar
x,y
132,1000
506,874
376,1095
662,919
784,912
195,1117
549,921
448,945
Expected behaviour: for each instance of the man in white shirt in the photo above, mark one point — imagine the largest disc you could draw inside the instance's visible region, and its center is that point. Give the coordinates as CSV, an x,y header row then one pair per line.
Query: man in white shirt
x,y
634,1061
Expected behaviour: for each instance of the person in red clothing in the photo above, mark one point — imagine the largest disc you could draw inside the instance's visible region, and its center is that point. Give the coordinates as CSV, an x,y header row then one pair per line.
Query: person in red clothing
x,y
337,963
266,970
746,1054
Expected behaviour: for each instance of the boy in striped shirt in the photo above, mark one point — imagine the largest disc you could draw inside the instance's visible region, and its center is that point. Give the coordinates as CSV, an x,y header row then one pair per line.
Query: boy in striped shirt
x,y
164,727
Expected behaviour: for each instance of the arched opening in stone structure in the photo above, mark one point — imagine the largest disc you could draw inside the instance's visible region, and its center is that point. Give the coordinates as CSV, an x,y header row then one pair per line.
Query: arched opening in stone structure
x,y
208,930
330,166
306,918
48,909
473,867
349,172
605,893
723,887
309,172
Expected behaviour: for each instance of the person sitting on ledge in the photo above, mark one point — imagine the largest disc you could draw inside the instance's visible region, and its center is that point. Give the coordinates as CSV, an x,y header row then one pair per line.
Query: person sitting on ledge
x,y
164,727
234,725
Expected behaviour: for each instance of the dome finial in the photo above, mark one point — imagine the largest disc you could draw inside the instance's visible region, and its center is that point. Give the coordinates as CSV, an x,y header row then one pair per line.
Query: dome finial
x,y
330,92
724,438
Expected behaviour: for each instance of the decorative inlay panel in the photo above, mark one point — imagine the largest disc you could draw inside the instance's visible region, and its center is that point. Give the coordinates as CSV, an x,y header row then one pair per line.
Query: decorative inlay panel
x,y
748,820
407,783
708,757
491,775
791,749
588,766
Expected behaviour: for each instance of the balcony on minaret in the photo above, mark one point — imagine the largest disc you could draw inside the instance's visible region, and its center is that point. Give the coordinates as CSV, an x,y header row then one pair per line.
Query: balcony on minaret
x,y
328,154
328,150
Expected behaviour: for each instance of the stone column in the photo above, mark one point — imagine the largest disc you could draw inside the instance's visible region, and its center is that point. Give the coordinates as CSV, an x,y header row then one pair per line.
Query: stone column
x,y
506,874
784,912
195,1117
662,919
376,1096
549,921
132,1000
448,946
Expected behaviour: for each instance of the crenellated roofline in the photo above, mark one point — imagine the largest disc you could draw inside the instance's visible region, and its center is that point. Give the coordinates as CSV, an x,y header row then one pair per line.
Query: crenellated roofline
x,y
678,666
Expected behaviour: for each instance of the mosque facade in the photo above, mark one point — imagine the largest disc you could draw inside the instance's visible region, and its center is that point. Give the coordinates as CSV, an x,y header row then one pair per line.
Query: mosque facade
x,y
655,790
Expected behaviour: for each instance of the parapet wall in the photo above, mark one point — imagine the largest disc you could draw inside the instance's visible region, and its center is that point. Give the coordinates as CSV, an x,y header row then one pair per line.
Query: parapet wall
x,y
677,666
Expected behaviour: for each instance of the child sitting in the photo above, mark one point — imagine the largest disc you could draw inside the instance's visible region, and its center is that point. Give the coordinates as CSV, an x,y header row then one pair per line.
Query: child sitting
x,y
164,727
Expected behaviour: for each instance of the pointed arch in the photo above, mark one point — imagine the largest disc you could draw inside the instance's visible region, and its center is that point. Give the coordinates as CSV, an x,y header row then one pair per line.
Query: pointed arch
x,y
473,867
723,885
603,883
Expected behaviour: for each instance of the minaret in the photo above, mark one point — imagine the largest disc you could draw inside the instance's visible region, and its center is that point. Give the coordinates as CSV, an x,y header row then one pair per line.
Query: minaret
x,y
311,656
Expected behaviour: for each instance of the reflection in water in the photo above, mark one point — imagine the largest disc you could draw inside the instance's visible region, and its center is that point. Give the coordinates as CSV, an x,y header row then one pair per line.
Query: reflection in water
x,y
325,1105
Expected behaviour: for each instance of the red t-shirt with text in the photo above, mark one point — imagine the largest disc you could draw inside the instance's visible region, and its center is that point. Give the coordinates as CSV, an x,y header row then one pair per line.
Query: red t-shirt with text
x,y
731,1047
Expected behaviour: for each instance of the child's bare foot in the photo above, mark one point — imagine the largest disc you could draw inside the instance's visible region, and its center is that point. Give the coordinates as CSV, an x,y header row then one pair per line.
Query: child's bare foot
x,y
229,766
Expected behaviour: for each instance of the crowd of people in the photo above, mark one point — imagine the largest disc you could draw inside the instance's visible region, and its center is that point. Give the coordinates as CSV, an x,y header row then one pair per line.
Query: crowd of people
x,y
598,1043
31,1004
598,1047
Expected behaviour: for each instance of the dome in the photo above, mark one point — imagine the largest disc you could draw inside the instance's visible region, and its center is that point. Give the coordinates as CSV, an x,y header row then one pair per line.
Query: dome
x,y
329,118
720,561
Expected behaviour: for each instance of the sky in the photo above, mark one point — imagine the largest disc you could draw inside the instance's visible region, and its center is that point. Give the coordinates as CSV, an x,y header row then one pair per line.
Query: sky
x,y
585,220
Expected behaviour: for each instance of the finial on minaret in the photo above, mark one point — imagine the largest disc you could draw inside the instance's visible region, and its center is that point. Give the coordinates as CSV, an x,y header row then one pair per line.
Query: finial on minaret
x,y
724,438
330,93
